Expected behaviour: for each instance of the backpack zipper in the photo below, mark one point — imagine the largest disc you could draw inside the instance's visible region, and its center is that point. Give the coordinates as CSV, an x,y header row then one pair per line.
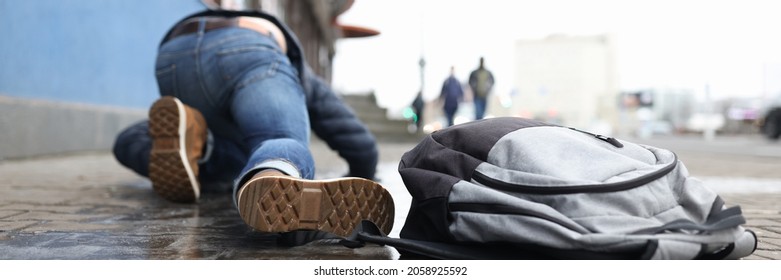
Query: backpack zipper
x,y
595,188
509,210
608,139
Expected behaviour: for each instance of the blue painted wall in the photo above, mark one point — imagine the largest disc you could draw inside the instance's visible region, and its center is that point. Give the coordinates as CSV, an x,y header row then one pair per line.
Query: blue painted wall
x,y
86,51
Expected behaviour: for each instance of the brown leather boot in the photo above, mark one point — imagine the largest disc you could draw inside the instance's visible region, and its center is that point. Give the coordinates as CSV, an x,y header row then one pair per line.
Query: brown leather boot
x,y
179,134
274,202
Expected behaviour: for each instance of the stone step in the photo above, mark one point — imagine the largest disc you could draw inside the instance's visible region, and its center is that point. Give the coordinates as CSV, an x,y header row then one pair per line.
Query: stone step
x,y
364,106
367,99
371,116
391,129
376,119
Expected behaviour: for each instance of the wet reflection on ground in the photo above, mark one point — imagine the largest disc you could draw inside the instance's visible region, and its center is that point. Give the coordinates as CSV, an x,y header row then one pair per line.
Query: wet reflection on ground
x,y
148,227
90,207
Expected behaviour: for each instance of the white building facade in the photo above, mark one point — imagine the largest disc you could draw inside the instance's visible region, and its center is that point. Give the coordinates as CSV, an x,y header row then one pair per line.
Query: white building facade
x,y
569,80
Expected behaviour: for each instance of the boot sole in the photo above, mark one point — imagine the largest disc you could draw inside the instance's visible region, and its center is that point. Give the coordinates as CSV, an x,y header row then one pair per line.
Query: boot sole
x,y
284,204
169,170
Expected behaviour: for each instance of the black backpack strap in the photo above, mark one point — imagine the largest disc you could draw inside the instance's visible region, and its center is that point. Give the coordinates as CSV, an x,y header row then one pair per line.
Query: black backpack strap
x,y
368,232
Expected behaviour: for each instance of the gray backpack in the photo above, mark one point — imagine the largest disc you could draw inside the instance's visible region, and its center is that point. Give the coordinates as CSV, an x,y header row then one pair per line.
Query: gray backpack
x,y
510,188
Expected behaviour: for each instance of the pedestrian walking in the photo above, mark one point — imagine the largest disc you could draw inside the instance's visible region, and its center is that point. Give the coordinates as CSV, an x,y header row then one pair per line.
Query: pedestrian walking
x,y
452,94
481,81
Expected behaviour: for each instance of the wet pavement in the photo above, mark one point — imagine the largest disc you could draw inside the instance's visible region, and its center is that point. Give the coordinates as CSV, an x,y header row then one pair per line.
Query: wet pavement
x,y
86,206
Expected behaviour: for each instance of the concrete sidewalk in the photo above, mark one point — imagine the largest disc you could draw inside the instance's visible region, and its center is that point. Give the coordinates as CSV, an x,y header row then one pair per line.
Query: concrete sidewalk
x,y
86,206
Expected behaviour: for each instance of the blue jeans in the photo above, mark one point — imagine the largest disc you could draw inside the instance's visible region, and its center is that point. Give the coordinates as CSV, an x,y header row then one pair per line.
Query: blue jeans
x,y
250,96
480,104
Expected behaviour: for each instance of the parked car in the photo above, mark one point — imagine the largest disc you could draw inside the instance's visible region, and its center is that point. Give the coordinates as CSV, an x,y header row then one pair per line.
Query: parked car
x,y
769,120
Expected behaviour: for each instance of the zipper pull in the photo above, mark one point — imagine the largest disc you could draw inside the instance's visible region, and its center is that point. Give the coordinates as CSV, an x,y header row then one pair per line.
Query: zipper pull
x,y
610,140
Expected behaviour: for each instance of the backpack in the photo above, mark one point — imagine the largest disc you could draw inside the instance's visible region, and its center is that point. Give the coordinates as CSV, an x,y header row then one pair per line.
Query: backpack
x,y
512,188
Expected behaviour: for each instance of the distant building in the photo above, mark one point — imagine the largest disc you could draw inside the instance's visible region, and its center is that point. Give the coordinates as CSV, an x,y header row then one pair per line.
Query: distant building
x,y
569,80
656,111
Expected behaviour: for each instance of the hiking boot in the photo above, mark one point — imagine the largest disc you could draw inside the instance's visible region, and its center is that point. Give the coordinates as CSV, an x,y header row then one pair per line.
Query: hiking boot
x,y
277,203
179,134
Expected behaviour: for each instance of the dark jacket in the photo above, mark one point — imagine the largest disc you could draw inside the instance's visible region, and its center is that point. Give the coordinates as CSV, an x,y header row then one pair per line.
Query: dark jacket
x,y
452,93
329,117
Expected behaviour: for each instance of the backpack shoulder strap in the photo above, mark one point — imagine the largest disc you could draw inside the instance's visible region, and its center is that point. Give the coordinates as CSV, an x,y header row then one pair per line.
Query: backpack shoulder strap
x,y
368,232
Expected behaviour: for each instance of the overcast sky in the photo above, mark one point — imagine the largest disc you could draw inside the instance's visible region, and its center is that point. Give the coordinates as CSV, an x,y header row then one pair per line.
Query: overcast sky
x,y
662,43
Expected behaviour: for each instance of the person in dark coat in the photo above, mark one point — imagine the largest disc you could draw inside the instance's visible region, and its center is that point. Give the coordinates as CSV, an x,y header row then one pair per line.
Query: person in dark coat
x,y
452,94
237,106
418,105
